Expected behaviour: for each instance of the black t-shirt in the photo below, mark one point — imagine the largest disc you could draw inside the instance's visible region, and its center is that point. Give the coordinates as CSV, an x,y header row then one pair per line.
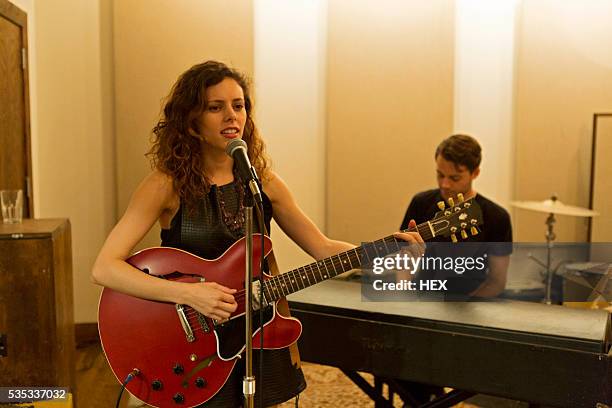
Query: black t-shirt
x,y
495,238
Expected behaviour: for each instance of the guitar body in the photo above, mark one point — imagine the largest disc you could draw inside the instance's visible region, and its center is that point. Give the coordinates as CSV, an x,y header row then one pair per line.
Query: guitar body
x,y
174,368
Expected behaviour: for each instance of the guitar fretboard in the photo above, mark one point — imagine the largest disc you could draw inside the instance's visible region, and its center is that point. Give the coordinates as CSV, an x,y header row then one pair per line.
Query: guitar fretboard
x,y
286,283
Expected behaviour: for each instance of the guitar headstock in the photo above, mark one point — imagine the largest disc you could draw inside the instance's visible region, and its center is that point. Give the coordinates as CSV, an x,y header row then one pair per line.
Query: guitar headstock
x,y
457,219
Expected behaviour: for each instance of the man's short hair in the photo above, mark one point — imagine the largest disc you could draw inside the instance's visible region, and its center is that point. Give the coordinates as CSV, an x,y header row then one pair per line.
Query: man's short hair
x,y
462,150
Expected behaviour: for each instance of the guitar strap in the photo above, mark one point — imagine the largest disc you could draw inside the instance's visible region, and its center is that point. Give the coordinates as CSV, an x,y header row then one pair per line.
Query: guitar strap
x,y
283,306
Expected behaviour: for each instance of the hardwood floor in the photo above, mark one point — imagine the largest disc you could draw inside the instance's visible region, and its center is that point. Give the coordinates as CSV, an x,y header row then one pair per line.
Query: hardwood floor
x,y
96,384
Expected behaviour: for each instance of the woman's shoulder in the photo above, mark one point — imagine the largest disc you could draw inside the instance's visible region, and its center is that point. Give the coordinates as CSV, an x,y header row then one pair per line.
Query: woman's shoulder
x,y
159,178
158,181
273,185
161,186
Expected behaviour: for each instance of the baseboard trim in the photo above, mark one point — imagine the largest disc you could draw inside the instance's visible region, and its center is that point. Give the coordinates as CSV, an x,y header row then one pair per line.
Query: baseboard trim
x,y
86,333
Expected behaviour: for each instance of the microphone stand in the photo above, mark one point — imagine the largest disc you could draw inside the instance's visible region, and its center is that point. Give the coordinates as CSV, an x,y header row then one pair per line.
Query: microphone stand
x,y
248,383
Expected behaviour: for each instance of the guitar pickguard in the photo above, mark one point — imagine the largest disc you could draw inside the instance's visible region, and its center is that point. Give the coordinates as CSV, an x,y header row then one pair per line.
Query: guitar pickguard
x,y
231,338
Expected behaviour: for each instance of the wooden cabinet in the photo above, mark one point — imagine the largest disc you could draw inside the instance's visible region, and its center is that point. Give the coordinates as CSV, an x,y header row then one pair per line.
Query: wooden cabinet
x,y
36,307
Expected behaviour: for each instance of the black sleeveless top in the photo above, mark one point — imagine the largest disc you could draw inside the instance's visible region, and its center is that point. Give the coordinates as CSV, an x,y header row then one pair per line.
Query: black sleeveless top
x,y
203,231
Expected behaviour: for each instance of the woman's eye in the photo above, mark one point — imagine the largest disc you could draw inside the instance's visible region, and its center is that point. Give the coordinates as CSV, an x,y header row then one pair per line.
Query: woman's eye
x,y
239,106
214,108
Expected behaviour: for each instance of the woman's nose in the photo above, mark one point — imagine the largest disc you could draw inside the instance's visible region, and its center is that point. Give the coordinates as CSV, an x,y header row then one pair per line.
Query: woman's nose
x,y
230,114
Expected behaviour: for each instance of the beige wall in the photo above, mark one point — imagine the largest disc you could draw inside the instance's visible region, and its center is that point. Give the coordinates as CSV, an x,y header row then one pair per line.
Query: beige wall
x,y
602,182
155,41
563,71
71,141
291,113
484,89
390,101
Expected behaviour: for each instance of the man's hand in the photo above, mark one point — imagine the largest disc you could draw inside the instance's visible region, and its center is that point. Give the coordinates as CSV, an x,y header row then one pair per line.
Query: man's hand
x,y
415,246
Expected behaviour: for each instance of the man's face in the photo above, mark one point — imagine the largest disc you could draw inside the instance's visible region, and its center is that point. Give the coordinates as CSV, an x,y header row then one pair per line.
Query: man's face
x,y
453,179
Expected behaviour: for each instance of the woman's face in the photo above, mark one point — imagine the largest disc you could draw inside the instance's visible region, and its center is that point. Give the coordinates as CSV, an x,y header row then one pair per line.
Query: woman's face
x,y
225,114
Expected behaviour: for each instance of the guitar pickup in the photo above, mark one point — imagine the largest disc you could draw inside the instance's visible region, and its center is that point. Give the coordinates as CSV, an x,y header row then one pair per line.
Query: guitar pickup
x,y
180,310
203,323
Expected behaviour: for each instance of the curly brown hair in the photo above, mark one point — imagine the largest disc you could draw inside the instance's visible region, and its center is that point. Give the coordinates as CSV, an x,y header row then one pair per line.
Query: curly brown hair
x,y
177,152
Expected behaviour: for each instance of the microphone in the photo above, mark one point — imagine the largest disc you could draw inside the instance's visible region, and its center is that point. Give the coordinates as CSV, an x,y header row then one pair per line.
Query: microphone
x,y
237,149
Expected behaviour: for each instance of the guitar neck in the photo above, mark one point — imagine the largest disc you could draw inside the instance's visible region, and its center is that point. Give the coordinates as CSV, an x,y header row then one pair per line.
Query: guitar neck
x,y
316,272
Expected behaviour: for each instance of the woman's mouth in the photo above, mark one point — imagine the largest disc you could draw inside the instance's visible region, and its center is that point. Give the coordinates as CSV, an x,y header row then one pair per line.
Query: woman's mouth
x,y
231,132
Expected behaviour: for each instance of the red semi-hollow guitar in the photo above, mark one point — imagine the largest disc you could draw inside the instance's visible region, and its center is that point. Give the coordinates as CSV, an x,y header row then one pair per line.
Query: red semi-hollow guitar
x,y
184,358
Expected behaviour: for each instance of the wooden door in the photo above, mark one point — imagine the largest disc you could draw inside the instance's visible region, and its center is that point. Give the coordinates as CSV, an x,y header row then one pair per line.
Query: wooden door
x,y
15,149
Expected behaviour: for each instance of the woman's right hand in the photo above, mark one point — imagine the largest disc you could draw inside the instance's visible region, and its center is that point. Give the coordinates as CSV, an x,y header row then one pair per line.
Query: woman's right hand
x,y
212,299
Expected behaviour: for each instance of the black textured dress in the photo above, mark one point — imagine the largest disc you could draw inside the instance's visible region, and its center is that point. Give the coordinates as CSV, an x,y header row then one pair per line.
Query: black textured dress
x,y
207,232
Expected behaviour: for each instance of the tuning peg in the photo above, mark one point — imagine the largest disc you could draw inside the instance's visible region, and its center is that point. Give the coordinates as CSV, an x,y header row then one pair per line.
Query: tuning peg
x,y
460,197
464,234
441,205
453,236
451,202
474,231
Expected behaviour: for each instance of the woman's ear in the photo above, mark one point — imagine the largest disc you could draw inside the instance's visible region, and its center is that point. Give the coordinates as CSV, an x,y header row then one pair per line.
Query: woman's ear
x,y
193,132
194,129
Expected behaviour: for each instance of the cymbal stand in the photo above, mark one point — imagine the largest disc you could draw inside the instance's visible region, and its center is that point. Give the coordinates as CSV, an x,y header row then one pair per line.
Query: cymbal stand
x,y
550,237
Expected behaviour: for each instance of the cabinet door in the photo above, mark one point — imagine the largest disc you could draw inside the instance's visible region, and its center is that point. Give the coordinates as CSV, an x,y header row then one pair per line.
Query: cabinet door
x,y
27,312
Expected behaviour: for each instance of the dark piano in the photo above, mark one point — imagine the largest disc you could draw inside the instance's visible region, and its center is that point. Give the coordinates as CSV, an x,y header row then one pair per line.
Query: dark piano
x,y
542,354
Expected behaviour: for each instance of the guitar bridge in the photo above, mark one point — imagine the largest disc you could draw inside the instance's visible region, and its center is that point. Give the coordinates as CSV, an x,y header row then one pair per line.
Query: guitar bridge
x,y
180,310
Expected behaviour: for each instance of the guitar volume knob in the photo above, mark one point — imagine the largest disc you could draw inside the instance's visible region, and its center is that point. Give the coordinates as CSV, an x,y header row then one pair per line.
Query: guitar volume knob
x,y
200,382
178,369
178,398
157,385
